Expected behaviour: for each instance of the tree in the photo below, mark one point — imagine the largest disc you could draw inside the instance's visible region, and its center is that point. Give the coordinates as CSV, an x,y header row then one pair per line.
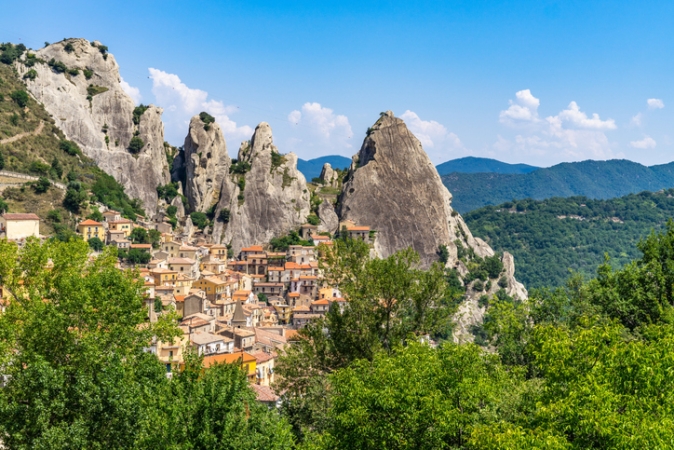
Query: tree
x,y
20,97
42,185
138,256
95,244
154,238
2,161
199,219
95,215
224,215
136,145
74,198
139,236
3,206
57,168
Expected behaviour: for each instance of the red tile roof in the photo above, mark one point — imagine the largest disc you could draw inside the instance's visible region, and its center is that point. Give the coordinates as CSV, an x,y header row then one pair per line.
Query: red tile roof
x,y
87,222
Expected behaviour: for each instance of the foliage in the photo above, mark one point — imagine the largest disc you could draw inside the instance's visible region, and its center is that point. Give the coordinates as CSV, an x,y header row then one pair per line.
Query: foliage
x,y
138,111
239,167
95,244
168,191
39,168
93,90
277,160
262,297
171,210
69,147
75,197
282,243
30,75
139,236
224,215
138,256
136,145
154,238
3,206
88,73
42,185
199,219
56,168
443,254
57,66
20,97
313,219
207,119
11,52
552,237
95,215
2,161
109,192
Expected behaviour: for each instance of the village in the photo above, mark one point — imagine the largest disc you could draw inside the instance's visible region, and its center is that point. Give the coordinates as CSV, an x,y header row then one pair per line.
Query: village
x,y
240,309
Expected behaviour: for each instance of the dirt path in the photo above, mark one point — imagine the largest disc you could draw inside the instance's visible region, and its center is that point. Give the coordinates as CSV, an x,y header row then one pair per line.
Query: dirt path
x,y
38,130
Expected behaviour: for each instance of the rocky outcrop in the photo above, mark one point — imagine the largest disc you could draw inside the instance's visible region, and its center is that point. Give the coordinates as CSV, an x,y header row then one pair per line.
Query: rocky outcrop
x,y
329,176
329,220
265,195
206,164
180,208
93,110
393,187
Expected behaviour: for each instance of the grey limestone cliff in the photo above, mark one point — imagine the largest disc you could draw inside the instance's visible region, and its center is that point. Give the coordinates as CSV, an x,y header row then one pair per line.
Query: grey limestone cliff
x,y
393,187
206,164
329,176
265,194
88,103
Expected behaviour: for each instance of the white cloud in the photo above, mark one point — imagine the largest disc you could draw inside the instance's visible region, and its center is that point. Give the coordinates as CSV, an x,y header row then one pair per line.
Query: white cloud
x,y
655,103
571,134
434,137
316,128
524,109
645,143
181,102
637,119
131,91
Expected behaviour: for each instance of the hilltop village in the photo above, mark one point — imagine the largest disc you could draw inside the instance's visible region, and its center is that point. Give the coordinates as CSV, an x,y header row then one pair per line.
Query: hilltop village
x,y
240,309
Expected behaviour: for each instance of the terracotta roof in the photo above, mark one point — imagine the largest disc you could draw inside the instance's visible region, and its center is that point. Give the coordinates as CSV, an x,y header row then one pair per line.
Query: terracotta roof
x,y
264,393
205,338
180,298
213,280
141,245
261,357
252,248
320,302
110,212
358,229
294,294
87,222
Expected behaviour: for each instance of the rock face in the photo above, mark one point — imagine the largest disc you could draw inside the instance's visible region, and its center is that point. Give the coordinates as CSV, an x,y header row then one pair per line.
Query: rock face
x,y
329,176
393,187
97,114
328,216
206,164
266,200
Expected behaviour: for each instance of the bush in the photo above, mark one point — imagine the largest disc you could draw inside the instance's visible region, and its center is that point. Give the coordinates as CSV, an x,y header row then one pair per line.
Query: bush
x,y
74,72
444,254
171,211
3,206
93,90
54,216
137,256
74,200
95,215
136,145
56,168
276,160
30,75
239,167
2,161
42,185
224,215
88,73
14,119
57,66
95,244
262,297
20,97
69,147
313,219
11,52
199,219
69,47
207,119
39,168
168,191
138,111
478,286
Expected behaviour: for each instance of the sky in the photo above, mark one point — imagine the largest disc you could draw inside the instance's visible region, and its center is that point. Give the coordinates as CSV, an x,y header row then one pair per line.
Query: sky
x,y
539,82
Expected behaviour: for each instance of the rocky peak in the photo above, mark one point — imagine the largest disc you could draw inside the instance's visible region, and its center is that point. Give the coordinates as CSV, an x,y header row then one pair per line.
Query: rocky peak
x,y
265,194
329,176
206,163
78,83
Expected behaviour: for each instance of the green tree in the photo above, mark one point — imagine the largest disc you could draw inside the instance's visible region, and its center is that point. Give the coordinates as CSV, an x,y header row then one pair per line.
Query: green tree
x,y
96,244
42,185
138,256
136,145
20,97
139,236
2,161
57,168
95,215
199,219
154,238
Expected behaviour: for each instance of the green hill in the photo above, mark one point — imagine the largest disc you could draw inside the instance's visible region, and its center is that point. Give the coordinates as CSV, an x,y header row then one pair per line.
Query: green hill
x,y
550,237
593,179
31,144
471,164
312,168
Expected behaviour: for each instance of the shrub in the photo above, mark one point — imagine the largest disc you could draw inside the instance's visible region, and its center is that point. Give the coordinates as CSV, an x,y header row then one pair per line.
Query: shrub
x,y
168,191
54,216
313,219
171,211
11,52
2,161
139,236
74,72
96,215
69,147
207,119
56,168
14,119
138,111
262,297
69,47
318,180
199,219
444,254
42,185
137,256
276,160
136,145
30,75
103,49
39,168
503,282
478,286
88,73
57,66
3,206
95,244
224,215
20,97
95,90
74,199
239,167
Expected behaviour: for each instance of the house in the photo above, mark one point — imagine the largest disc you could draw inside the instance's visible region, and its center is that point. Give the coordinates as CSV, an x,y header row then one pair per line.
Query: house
x,y
211,344
269,289
218,251
111,216
301,254
307,231
243,339
163,276
171,248
90,229
123,225
198,322
245,360
302,319
264,367
184,265
239,318
113,235
320,306
284,313
142,247
171,353
193,304
252,250
214,288
164,227
187,251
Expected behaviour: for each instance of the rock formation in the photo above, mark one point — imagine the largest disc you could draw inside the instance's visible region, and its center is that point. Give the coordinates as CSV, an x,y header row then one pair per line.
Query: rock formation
x,y
206,164
393,187
329,176
265,195
78,83
328,216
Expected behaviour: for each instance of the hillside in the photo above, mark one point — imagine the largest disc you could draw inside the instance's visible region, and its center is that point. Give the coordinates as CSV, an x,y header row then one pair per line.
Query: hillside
x,y
30,143
550,237
592,179
312,168
471,164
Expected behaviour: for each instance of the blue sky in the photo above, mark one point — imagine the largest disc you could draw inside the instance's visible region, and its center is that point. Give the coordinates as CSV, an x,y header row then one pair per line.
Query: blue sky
x,y
522,81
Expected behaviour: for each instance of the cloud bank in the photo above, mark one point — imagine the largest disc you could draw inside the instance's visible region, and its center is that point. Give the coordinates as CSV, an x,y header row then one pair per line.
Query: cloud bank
x,y
316,130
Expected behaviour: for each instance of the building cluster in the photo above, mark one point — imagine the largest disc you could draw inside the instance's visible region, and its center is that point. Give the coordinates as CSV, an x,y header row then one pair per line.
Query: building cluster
x,y
242,309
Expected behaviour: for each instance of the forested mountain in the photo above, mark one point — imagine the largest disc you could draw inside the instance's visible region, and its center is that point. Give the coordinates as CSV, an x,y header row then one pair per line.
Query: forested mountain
x,y
551,237
592,179
471,164
312,168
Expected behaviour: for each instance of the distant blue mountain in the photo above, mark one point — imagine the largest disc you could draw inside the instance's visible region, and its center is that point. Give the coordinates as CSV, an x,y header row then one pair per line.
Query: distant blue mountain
x,y
471,164
312,168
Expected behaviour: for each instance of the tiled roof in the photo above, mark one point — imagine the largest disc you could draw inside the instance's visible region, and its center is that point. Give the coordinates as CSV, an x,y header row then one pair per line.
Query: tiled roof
x,y
88,222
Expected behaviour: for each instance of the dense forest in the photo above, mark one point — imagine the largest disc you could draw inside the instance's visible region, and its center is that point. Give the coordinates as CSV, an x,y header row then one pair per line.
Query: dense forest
x,y
472,164
587,365
593,179
552,237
